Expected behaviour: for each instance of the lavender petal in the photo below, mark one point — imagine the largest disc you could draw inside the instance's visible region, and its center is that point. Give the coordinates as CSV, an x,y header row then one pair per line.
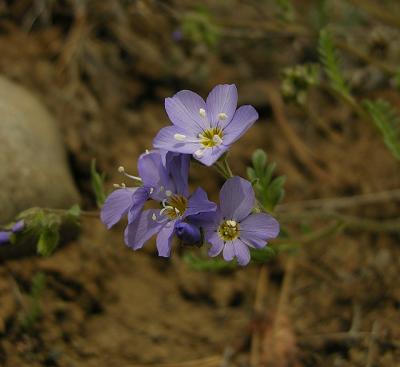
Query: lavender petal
x,y
116,206
229,251
142,229
183,110
222,99
242,252
151,170
243,119
165,139
199,203
178,168
139,198
211,155
236,198
164,239
258,228
217,245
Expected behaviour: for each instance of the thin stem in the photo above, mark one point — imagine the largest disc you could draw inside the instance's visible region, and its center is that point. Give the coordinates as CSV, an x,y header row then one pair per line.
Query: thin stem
x,y
220,167
227,167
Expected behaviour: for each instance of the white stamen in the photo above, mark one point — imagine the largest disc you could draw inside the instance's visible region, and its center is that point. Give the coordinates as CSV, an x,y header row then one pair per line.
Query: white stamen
x,y
116,186
151,190
217,139
202,112
231,223
147,151
180,137
121,169
222,116
167,207
176,211
123,185
199,153
168,192
154,217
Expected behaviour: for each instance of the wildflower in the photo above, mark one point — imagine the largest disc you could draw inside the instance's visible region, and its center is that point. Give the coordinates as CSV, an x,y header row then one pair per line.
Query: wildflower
x,y
176,210
233,229
205,129
164,176
155,171
6,236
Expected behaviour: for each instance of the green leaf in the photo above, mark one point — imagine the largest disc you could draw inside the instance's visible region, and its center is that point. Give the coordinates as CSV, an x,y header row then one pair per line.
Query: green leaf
x,y
251,174
259,159
275,190
48,240
268,192
330,61
97,181
74,212
387,121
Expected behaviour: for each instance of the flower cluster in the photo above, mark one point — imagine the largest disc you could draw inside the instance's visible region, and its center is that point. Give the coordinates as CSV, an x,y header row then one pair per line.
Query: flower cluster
x,y
204,130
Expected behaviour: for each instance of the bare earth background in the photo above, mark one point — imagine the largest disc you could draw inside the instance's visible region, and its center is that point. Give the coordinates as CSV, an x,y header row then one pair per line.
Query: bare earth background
x,y
103,68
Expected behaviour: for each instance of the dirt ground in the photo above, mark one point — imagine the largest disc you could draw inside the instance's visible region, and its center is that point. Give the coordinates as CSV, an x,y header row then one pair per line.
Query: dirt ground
x,y
103,69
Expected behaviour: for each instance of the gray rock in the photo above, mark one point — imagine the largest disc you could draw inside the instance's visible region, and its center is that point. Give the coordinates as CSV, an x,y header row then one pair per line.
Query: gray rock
x,y
33,165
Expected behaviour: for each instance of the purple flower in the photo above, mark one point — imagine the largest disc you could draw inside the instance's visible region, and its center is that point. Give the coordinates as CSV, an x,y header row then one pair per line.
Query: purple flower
x,y
205,129
176,209
160,173
164,176
5,236
234,228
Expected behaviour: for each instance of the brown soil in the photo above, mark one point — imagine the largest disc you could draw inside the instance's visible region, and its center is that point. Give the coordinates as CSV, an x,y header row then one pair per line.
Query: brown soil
x,y
103,71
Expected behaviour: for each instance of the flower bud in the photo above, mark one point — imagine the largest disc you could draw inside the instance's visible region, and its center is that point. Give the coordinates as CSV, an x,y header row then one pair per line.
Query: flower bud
x,y
188,233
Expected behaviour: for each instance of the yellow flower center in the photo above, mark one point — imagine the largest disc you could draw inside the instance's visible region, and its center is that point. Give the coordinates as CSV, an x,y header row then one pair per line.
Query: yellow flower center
x,y
211,137
174,206
229,230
